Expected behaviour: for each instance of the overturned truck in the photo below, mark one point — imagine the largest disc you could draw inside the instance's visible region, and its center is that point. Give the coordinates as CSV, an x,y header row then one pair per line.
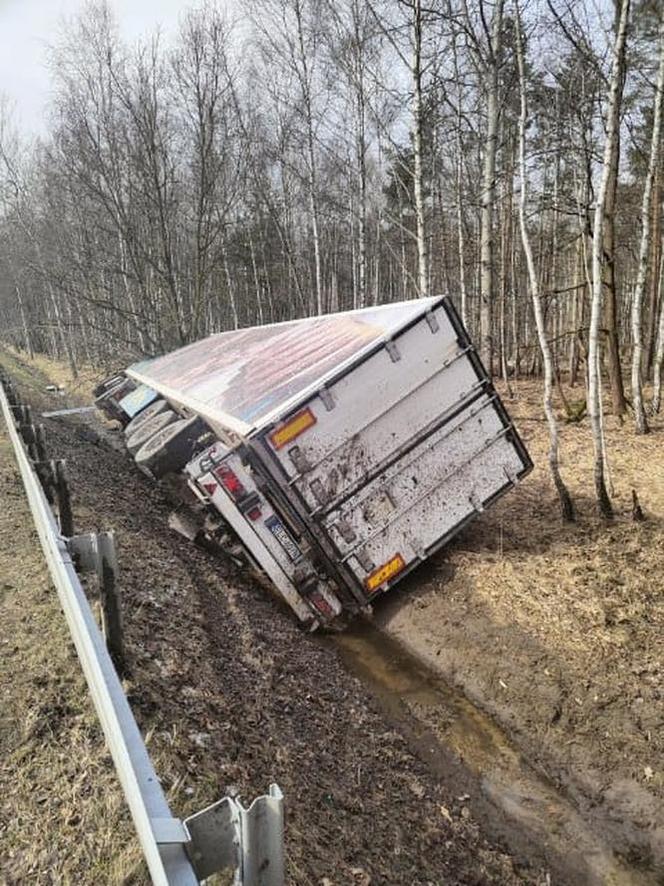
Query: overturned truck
x,y
339,451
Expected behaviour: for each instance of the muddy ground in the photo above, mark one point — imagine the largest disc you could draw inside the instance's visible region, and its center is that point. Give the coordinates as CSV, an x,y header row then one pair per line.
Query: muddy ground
x,y
528,749
233,696
558,631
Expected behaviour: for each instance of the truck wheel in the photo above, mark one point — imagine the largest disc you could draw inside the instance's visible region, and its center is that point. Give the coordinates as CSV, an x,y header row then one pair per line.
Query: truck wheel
x,y
169,450
149,429
146,414
107,384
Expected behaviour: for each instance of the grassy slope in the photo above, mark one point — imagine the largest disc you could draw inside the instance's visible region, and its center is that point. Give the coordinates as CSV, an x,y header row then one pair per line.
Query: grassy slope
x,y
62,814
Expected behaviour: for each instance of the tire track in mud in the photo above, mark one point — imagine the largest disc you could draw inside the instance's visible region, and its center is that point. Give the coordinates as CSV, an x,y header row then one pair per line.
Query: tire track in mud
x,y
512,799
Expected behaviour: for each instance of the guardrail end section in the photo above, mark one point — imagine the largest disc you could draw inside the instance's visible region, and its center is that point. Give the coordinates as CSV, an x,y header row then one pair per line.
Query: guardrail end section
x,y
263,840
226,836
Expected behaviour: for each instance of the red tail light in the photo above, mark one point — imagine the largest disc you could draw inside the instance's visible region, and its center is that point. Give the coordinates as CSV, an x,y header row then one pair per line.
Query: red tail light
x,y
230,481
321,604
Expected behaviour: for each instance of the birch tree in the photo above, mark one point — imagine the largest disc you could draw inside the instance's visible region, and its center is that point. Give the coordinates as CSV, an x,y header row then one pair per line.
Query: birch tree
x,y
599,260
646,213
289,35
416,75
657,365
489,184
414,65
459,170
566,505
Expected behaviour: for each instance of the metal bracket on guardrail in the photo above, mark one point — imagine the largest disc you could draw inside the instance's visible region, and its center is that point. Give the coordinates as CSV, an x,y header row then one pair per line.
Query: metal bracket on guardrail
x,y
226,835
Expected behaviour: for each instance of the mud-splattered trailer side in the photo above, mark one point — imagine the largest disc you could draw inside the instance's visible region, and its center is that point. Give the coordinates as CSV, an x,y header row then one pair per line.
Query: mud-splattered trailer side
x,y
340,450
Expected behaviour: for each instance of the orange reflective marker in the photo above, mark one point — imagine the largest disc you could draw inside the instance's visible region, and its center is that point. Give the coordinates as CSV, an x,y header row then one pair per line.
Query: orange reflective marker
x,y
295,426
384,573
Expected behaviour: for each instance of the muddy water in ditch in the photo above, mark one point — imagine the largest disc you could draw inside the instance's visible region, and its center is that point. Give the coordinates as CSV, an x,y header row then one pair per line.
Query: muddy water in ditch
x,y
471,754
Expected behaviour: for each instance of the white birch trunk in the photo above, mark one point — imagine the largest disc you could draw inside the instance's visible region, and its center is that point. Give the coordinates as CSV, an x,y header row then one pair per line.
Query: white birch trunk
x,y
659,353
594,396
489,189
311,157
416,72
566,506
24,322
461,240
646,211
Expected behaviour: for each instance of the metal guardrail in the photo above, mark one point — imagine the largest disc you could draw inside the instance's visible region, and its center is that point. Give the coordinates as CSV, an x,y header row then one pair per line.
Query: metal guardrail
x,y
223,836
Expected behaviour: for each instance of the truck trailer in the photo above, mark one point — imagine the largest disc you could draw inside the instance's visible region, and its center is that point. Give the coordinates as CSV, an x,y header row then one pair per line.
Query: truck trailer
x,y
340,451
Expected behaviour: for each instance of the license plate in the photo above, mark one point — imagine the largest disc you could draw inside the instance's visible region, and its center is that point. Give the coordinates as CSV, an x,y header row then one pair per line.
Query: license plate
x,y
282,535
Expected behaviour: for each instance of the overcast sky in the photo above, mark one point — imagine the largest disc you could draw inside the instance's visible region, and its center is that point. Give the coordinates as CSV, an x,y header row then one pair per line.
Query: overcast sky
x,y
28,26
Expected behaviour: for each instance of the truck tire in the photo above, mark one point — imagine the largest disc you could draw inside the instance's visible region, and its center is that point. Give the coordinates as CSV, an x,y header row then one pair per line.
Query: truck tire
x,y
148,413
107,384
169,450
149,429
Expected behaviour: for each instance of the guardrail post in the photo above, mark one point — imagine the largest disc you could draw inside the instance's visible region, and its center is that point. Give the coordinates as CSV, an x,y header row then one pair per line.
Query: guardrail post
x,y
66,518
107,569
44,471
18,412
40,443
10,393
95,552
29,435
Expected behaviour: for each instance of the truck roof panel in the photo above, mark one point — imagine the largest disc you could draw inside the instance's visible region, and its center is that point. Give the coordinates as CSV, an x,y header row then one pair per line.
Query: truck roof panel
x,y
248,377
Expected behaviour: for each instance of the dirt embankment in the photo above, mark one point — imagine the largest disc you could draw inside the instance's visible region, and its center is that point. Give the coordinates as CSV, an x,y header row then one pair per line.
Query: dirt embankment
x,y
558,631
233,696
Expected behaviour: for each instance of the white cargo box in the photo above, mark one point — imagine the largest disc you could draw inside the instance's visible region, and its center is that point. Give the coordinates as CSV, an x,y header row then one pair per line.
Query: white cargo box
x,y
375,433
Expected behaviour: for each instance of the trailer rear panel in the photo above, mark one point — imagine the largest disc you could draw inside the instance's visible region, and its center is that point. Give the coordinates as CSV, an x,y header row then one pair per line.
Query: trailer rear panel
x,y
400,451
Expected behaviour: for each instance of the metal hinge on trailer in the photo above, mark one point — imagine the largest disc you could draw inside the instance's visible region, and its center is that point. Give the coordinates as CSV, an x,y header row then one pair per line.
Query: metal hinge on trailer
x,y
511,475
228,836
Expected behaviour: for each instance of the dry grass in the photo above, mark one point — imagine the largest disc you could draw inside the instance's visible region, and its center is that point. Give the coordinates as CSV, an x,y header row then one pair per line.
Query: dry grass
x,y
43,369
594,591
62,814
